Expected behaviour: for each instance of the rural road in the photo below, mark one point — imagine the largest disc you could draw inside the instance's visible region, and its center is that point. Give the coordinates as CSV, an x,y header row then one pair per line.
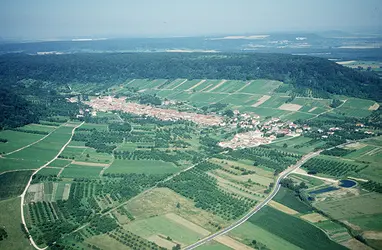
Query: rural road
x,y
29,182
259,206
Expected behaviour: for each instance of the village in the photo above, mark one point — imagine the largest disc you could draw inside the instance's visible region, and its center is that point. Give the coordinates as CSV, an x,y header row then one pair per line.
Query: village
x,y
111,103
252,132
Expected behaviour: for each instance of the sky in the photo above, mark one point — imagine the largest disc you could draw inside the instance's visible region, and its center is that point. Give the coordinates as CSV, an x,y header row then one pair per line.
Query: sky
x,y
49,19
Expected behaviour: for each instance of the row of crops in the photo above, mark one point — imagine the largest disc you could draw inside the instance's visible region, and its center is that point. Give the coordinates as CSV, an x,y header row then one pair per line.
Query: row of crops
x,y
331,167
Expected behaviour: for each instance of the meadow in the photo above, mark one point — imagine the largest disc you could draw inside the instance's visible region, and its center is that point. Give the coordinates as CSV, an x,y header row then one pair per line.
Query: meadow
x,y
293,230
16,140
141,167
248,232
352,207
79,171
10,220
91,155
46,149
289,199
162,225
8,164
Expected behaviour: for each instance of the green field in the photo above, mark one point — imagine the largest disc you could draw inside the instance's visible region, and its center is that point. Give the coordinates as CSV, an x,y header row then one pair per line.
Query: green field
x,y
91,155
59,163
355,107
7,164
292,229
16,140
288,198
49,171
213,245
164,226
46,149
353,206
249,231
141,167
10,220
77,171
99,127
309,181
38,127
13,184
72,153
261,87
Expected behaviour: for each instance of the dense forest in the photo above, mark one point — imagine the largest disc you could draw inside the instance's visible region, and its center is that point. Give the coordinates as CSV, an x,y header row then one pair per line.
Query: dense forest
x,y
302,71
28,83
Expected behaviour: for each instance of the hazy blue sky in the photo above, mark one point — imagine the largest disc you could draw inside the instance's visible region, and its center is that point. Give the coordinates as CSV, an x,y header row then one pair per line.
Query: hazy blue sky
x,y
59,18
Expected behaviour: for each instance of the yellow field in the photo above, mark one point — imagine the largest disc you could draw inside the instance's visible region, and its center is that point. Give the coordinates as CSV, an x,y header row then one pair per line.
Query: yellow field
x,y
161,241
290,107
313,217
160,201
282,208
263,99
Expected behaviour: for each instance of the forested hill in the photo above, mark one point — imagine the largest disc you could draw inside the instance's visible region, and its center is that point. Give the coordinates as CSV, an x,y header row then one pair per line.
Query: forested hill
x,y
318,74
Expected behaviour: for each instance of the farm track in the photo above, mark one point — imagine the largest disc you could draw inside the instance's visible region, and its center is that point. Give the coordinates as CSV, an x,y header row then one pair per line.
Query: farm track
x,y
327,111
29,182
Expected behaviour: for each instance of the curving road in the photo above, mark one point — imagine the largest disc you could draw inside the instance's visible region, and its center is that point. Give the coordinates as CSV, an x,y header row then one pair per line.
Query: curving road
x,y
259,206
29,182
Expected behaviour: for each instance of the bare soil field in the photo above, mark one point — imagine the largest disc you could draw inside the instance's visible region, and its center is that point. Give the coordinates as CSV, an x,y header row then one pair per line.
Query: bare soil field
x,y
356,145
345,62
354,244
65,194
179,84
262,99
217,85
164,201
282,208
196,85
375,106
160,241
188,224
290,107
234,244
91,164
313,217
374,235
312,109
226,240
38,192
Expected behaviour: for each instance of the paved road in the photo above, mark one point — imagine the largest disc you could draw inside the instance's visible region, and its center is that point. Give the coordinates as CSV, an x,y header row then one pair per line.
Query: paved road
x,y
259,206
29,182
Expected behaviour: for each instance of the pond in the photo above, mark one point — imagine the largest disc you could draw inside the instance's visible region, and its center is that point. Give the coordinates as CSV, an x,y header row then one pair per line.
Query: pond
x,y
323,190
347,183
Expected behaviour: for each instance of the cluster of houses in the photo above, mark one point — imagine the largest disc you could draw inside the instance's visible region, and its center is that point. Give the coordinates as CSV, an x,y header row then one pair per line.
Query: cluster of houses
x,y
259,133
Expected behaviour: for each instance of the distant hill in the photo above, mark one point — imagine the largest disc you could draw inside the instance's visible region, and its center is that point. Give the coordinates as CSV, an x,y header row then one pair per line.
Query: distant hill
x,y
303,72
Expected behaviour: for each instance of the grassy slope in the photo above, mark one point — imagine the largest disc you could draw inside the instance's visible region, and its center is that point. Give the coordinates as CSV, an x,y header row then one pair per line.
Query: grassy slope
x,y
10,219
